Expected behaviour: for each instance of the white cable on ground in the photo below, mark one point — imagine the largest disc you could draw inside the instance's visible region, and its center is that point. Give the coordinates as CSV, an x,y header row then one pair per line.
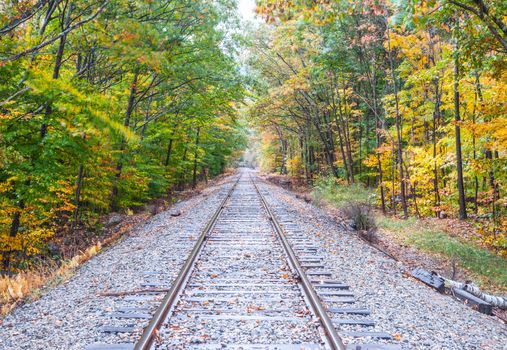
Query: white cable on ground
x,y
474,290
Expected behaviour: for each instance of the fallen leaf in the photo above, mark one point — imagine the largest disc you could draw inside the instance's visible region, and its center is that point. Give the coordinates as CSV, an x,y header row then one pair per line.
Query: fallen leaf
x,y
158,338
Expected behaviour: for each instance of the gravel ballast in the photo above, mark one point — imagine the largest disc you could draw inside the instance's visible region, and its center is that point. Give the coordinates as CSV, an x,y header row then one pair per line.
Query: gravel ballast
x,y
416,314
72,315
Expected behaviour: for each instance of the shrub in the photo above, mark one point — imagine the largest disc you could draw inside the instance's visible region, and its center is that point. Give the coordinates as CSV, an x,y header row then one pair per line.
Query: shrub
x,y
361,215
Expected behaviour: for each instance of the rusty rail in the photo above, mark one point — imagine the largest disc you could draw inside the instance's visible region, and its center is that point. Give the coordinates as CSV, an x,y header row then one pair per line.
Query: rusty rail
x,y
334,340
151,330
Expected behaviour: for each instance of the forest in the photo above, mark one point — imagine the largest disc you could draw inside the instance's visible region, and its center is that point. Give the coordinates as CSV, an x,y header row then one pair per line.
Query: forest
x,y
106,105
408,98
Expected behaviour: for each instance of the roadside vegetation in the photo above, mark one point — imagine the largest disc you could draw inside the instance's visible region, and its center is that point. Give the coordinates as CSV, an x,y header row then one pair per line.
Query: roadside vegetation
x,y
395,105
104,106
31,283
466,252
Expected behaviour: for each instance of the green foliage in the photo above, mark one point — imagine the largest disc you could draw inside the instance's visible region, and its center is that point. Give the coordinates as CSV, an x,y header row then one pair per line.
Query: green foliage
x,y
126,85
341,194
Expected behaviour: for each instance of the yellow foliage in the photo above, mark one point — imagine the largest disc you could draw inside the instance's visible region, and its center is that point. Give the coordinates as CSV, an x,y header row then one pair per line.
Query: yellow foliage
x,y
295,165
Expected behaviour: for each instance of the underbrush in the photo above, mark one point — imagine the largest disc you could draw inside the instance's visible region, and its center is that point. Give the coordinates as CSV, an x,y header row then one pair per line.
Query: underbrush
x,y
354,201
361,216
339,194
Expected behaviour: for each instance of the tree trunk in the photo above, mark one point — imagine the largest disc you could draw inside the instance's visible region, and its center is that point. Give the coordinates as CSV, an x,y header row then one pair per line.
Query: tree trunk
x,y
16,219
379,163
146,118
194,175
393,174
58,64
398,130
436,118
346,135
457,119
126,123
13,232
311,162
168,154
181,180
78,193
378,133
342,150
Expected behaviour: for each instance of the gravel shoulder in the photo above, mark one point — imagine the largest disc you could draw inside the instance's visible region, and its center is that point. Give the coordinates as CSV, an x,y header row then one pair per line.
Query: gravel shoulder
x,y
71,315
417,315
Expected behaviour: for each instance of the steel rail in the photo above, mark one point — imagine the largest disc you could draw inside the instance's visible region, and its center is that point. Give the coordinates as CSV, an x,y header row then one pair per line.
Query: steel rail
x,y
335,341
151,330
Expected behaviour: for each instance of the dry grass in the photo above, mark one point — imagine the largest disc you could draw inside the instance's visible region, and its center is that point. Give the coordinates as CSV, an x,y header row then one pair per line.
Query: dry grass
x,y
29,284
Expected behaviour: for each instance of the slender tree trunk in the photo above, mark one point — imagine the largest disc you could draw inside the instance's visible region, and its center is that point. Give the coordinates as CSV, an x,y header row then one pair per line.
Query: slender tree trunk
x,y
311,159
457,119
311,163
194,175
13,232
398,129
146,118
342,150
393,175
78,193
80,169
379,164
331,144
302,154
360,122
489,156
16,219
378,135
436,118
181,180
414,194
126,123
58,65
346,136
168,153
283,147
328,153
474,153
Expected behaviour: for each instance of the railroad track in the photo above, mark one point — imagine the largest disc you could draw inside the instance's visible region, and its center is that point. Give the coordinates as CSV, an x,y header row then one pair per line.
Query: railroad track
x,y
253,280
